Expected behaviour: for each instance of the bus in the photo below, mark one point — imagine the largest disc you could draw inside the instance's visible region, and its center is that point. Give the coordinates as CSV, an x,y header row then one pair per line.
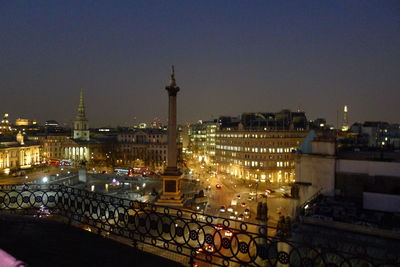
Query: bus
x,y
54,162
66,162
124,172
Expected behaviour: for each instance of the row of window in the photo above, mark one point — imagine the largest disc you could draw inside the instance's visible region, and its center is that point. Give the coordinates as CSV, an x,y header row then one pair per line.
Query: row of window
x,y
264,163
256,149
259,135
247,156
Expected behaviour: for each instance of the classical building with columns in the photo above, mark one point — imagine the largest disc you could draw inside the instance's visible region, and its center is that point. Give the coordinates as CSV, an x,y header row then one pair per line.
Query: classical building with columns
x,y
18,154
77,148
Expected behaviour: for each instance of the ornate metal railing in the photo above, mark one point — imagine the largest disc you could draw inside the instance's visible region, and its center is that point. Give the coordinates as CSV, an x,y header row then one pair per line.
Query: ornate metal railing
x,y
200,237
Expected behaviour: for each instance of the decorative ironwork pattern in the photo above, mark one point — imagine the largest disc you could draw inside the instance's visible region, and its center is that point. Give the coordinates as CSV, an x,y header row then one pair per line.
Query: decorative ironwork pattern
x,y
202,237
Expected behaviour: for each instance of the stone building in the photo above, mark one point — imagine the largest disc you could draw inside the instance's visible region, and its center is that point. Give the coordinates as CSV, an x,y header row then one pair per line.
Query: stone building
x,y
202,140
52,145
144,147
260,146
353,175
18,154
78,147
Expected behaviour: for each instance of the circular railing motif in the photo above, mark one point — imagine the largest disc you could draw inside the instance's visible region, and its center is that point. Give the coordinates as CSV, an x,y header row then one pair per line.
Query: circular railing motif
x,y
203,237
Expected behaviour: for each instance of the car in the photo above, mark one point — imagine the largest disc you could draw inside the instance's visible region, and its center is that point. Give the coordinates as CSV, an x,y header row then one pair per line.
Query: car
x,y
252,193
206,248
232,217
230,209
269,191
250,198
228,233
209,248
219,227
234,202
219,186
240,217
238,196
43,212
243,204
284,189
222,209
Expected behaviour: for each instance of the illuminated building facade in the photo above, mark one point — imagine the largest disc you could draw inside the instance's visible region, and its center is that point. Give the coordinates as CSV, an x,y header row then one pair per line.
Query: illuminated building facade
x,y
24,122
78,148
146,146
16,155
5,126
254,149
53,146
202,140
197,140
378,133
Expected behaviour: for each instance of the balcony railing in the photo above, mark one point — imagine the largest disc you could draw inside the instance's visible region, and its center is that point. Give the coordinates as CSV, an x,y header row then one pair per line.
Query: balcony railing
x,y
199,237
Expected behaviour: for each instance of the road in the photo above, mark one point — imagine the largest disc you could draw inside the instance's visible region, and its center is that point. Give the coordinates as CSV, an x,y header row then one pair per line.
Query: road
x,y
232,188
37,176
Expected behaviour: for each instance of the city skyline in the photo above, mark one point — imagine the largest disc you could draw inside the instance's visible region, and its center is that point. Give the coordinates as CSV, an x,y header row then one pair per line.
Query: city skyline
x,y
229,59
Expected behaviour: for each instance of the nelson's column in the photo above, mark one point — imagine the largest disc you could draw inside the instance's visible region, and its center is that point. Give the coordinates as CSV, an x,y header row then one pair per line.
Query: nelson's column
x,y
171,195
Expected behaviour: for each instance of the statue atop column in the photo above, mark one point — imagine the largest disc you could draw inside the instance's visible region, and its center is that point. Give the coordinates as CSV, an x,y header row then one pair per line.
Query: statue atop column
x,y
171,177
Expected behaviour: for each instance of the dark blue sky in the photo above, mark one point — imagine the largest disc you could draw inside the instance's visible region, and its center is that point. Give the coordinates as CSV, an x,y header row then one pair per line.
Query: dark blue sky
x,y
230,57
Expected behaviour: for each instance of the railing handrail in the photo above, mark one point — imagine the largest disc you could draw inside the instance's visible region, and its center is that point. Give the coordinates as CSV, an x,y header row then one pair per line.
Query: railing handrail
x,y
167,228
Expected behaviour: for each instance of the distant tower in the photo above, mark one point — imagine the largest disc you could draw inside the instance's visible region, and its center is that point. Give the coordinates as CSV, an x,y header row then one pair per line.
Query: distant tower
x,y
345,125
81,126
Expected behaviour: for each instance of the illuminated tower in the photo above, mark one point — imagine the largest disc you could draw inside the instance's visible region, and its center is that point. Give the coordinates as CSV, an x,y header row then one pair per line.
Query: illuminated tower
x,y
171,195
5,126
81,126
345,125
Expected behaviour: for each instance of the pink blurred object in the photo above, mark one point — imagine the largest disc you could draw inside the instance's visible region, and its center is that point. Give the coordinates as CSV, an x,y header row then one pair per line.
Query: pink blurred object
x,y
6,260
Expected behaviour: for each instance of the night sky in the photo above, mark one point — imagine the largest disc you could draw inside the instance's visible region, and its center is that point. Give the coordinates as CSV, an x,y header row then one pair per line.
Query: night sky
x,y
230,57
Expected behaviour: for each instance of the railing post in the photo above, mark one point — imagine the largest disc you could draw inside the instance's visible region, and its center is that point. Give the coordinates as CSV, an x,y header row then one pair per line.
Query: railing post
x,y
191,261
283,247
135,243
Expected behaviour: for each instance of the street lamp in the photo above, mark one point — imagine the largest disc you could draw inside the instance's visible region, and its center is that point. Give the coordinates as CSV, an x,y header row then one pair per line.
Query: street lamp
x,y
257,189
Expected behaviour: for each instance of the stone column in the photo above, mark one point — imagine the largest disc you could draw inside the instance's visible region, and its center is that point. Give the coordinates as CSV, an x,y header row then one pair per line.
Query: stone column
x,y
172,147
171,195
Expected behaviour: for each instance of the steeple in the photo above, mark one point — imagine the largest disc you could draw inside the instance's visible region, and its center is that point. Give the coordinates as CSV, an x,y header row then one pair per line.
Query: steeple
x,y
81,127
81,108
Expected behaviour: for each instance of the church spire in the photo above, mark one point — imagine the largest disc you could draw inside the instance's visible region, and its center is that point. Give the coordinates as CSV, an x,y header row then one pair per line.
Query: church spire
x,y
81,114
81,127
